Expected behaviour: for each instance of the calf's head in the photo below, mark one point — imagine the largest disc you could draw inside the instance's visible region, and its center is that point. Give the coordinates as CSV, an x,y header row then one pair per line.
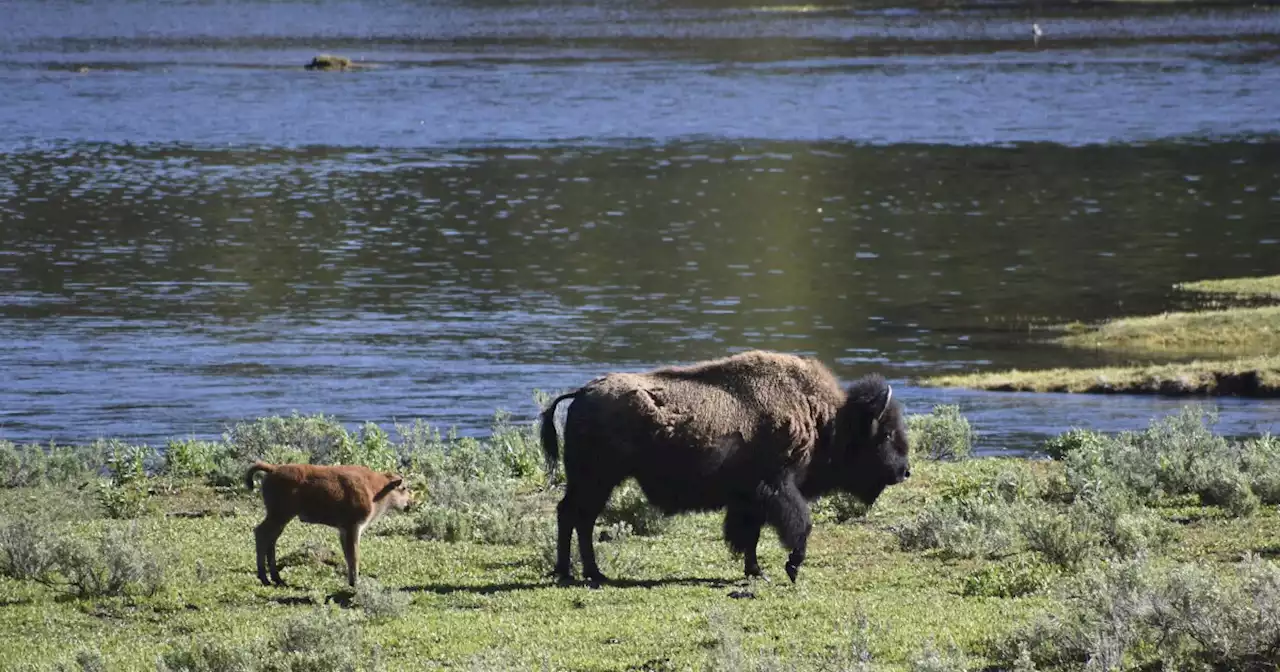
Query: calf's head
x,y
871,437
394,494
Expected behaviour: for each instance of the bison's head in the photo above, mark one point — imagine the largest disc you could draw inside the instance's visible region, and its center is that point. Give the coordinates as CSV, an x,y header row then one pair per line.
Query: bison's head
x,y
871,440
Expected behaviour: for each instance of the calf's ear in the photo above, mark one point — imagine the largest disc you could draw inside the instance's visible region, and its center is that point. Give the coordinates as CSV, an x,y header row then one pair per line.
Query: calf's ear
x,y
388,488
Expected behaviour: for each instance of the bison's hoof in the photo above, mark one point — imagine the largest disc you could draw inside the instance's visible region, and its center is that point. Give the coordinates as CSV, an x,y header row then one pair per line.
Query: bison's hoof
x,y
596,579
792,571
758,575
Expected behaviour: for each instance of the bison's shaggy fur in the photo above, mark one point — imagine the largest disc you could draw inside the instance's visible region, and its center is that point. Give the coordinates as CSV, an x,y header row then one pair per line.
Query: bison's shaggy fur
x,y
758,434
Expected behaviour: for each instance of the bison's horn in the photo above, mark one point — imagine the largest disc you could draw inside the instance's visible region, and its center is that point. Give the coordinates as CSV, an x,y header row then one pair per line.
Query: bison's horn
x,y
888,397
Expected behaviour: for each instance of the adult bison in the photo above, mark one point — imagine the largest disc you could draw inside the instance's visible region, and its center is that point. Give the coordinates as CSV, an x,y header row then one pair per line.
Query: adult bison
x,y
758,434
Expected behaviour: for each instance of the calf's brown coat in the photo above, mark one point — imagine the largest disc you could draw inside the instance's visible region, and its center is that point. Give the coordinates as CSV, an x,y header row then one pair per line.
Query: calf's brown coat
x,y
348,497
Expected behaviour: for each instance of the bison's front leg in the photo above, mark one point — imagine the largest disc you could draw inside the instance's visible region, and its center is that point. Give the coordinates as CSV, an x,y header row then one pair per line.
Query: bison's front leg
x,y
788,512
742,523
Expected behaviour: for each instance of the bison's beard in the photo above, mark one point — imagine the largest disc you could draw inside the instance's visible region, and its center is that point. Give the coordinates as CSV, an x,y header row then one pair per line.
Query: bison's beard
x,y
868,492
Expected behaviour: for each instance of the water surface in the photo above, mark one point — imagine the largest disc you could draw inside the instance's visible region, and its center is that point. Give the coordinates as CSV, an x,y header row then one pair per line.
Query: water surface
x,y
195,230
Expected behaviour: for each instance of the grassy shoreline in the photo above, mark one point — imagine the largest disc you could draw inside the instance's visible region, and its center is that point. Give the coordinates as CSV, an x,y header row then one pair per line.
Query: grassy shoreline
x,y
967,566
1229,351
1257,377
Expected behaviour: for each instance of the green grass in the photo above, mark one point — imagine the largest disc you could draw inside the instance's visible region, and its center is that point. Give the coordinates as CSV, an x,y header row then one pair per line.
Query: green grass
x,y
1264,288
1230,351
678,601
469,599
1249,377
1234,332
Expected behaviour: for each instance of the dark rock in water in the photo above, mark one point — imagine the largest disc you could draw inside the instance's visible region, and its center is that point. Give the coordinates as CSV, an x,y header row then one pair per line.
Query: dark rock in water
x,y
329,62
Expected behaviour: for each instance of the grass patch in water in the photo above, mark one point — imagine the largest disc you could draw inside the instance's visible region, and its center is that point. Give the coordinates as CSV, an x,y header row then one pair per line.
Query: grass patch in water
x,y
1231,350
1264,288
1233,332
1247,377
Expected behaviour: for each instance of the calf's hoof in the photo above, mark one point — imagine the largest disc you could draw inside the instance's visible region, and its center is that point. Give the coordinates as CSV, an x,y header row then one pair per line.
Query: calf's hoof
x,y
792,571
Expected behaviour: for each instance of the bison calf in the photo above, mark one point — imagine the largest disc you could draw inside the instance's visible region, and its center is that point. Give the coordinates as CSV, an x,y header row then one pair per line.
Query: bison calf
x,y
347,497
758,434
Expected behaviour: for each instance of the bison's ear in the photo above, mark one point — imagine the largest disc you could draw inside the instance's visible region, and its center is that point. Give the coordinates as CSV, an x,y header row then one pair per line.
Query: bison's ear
x,y
880,403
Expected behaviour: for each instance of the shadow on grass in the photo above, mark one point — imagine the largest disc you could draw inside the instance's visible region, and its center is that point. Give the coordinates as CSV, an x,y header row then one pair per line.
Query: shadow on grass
x,y
291,600
492,588
1269,552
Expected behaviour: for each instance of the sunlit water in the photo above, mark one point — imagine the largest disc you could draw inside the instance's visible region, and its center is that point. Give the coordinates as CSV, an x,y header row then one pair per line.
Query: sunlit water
x,y
195,230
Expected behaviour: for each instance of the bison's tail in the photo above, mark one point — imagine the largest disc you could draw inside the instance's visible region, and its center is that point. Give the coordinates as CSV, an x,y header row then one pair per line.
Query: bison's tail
x,y
551,442
258,465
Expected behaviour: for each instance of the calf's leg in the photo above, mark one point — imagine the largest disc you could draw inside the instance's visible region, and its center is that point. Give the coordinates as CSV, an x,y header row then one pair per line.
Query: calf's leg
x,y
350,537
265,536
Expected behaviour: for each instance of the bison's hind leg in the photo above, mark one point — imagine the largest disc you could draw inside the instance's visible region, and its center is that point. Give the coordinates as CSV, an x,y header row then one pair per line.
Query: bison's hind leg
x,y
566,519
578,511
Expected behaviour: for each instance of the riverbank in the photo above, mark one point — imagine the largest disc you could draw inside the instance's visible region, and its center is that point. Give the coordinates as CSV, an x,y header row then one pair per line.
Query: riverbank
x,y
124,557
1227,351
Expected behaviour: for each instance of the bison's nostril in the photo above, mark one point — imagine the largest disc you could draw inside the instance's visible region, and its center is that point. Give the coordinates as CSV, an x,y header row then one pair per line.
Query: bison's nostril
x,y
906,473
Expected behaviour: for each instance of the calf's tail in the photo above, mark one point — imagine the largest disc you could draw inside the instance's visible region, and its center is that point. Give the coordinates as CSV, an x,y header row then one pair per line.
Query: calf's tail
x,y
551,442
258,465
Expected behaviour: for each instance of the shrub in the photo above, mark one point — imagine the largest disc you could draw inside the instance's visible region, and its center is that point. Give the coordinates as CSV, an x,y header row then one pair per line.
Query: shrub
x,y
1101,625
192,458
519,448
125,495
944,434
1013,577
227,472
934,659
13,473
31,465
841,506
71,464
373,449
116,566
1222,484
483,510
1260,459
322,641
317,436
1177,456
210,656
87,660
971,526
27,551
1062,539
628,505
379,602
1060,446
1130,615
1232,625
